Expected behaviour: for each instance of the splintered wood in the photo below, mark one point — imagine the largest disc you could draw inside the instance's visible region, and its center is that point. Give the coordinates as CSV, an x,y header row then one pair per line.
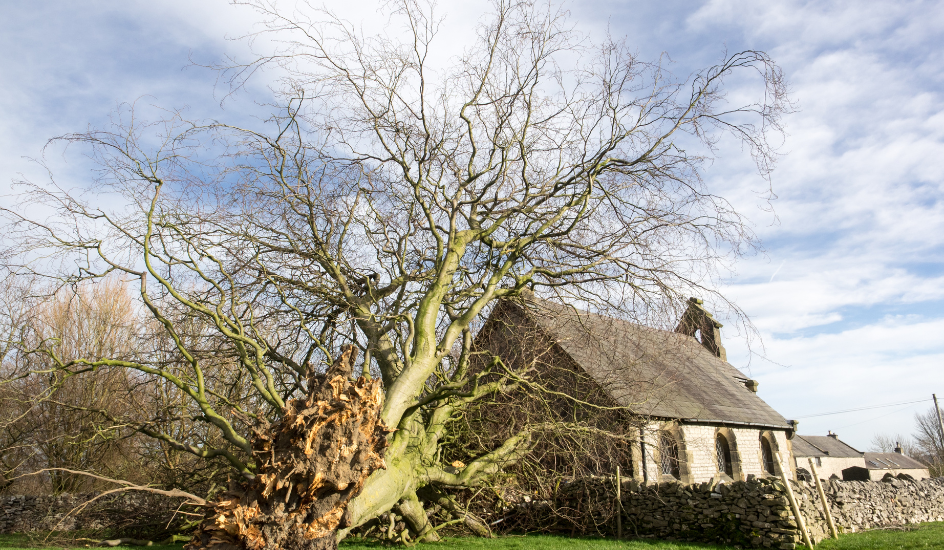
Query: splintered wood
x,y
310,465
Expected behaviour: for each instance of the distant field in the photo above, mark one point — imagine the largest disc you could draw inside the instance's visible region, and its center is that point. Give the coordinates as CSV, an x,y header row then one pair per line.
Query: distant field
x,y
924,536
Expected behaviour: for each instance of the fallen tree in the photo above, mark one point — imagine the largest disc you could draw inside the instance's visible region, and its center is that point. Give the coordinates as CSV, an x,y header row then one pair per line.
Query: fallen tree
x,y
388,206
298,499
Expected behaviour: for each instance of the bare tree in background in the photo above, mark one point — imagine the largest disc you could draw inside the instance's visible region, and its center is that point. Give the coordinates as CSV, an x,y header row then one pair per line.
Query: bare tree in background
x,y
55,421
884,443
383,209
929,441
14,324
926,443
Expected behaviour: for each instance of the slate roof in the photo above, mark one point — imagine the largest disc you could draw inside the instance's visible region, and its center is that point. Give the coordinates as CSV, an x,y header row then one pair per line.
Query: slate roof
x,y
892,461
802,448
654,372
822,446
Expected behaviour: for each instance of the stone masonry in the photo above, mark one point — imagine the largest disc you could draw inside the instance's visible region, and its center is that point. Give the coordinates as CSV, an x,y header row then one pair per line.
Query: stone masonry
x,y
861,505
754,513
697,450
137,515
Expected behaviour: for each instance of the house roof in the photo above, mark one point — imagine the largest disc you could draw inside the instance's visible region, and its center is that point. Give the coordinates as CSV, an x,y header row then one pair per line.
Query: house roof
x,y
892,461
803,448
822,446
654,372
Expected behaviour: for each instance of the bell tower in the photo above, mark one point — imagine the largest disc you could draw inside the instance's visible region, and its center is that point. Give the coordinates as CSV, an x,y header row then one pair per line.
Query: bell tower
x,y
696,320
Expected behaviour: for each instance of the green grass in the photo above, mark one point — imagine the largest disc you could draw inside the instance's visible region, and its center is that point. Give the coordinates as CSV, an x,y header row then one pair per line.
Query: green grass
x,y
22,542
926,535
543,542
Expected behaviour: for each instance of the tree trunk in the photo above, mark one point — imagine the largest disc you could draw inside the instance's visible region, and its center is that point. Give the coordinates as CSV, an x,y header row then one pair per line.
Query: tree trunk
x,y
310,465
384,489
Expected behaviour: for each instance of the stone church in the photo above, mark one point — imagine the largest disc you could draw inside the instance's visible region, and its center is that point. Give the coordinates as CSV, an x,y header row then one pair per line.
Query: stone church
x,y
699,418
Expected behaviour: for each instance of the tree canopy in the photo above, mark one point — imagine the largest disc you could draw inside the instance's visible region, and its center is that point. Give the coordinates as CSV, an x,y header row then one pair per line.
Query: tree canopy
x,y
388,204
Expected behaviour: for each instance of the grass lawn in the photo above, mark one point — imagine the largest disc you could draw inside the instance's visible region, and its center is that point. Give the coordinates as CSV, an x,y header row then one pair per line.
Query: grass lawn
x,y
927,535
545,542
20,542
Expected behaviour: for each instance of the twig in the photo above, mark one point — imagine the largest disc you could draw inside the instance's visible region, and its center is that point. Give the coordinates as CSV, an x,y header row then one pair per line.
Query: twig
x,y
174,493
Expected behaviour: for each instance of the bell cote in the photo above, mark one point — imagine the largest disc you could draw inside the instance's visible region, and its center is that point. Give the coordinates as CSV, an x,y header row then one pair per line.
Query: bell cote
x,y
701,325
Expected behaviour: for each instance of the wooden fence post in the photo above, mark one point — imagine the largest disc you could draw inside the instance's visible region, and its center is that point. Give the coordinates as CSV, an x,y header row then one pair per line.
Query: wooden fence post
x,y
822,496
619,505
793,503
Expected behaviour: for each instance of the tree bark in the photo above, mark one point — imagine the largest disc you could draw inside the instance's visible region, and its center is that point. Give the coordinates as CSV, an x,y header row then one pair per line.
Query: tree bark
x,y
310,465
415,515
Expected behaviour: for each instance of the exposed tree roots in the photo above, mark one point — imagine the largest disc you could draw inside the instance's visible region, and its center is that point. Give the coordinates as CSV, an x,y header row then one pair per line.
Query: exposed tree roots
x,y
310,465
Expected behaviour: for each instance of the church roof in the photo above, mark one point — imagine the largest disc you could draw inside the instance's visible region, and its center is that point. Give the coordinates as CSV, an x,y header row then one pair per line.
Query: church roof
x,y
653,372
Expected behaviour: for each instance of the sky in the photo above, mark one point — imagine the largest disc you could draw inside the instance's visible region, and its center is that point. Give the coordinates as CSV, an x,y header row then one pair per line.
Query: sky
x,y
848,292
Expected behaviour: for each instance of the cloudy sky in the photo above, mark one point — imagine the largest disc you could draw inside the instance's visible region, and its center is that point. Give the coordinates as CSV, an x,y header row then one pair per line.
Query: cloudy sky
x,y
849,292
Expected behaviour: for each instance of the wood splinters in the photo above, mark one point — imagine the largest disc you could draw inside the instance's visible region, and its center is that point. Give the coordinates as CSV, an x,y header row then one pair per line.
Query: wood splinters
x,y
278,508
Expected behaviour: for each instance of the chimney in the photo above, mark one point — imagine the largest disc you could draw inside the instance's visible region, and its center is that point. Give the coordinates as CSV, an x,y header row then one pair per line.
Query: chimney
x,y
832,435
898,447
697,319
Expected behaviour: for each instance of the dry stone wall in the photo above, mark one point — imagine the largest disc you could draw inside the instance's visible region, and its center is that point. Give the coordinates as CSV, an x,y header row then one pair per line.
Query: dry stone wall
x,y
859,505
136,515
754,513
746,513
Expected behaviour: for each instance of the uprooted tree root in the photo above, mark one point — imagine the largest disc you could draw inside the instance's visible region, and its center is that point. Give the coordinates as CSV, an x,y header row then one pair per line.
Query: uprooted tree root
x,y
311,464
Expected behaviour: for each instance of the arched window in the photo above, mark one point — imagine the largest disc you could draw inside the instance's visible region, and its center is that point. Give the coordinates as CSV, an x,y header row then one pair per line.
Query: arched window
x,y
669,455
768,456
723,450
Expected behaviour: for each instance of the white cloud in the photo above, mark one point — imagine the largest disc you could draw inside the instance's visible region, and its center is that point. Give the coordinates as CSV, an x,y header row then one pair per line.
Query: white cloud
x,y
891,361
860,219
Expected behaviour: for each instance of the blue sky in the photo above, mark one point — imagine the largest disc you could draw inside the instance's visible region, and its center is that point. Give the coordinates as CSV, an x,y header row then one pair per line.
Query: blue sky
x,y
849,293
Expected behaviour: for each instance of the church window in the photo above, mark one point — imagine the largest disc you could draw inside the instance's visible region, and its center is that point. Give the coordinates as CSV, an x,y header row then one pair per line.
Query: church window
x,y
723,451
767,455
669,455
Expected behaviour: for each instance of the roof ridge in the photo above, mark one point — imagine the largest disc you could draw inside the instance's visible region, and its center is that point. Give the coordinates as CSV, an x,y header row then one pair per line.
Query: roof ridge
x,y
539,301
818,448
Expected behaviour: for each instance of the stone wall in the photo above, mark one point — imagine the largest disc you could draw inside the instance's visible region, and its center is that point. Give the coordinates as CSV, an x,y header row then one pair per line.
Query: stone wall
x,y
137,515
697,450
916,473
700,444
860,505
753,513
746,513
